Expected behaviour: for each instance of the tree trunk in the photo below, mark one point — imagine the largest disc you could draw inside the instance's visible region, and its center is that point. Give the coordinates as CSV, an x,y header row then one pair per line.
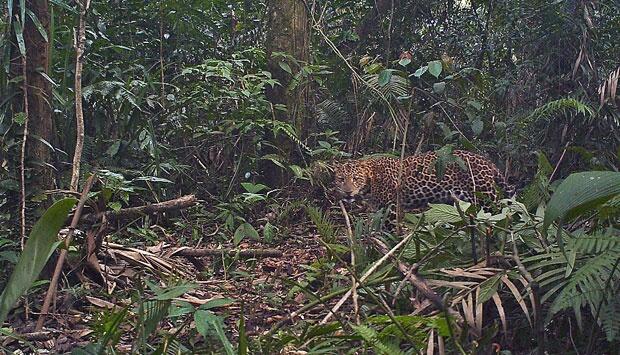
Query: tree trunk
x,y
40,124
287,33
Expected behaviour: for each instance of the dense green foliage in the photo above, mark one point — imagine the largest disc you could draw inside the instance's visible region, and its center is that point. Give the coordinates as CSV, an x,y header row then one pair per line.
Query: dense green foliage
x,y
176,101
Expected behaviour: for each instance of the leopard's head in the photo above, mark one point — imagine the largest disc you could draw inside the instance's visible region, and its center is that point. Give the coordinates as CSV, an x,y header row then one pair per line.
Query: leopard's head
x,y
352,179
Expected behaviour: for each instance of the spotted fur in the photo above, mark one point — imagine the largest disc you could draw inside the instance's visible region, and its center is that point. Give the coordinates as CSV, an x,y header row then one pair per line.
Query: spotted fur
x,y
378,177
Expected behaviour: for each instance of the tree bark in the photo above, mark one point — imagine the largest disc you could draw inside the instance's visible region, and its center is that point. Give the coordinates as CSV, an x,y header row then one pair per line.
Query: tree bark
x,y
287,33
40,124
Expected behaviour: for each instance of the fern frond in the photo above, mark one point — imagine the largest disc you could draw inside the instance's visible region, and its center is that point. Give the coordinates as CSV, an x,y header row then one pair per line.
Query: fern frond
x,y
596,243
609,317
395,88
561,106
586,286
329,111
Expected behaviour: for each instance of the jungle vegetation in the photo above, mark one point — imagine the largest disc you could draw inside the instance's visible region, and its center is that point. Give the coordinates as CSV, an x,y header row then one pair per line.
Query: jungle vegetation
x,y
165,176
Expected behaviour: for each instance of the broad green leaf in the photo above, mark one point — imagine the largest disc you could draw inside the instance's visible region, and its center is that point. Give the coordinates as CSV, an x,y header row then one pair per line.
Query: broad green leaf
x,y
218,302
243,336
404,62
579,193
286,67
113,149
445,213
384,77
19,35
435,67
253,188
421,70
175,291
42,241
20,118
475,104
64,5
439,87
152,179
37,24
373,68
245,230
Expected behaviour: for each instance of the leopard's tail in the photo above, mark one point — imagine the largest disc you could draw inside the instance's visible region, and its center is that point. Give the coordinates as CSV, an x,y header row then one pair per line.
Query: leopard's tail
x,y
501,182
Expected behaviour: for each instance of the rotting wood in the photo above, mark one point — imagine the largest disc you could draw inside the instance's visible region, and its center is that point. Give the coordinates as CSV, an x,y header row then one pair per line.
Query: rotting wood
x,y
242,253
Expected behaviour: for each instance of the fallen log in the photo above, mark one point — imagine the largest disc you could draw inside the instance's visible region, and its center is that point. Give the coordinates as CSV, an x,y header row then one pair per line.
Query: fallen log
x,y
242,253
170,205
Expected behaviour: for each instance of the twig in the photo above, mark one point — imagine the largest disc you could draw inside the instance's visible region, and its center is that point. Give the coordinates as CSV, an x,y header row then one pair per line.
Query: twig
x,y
355,297
63,254
557,165
244,253
534,287
22,166
367,274
336,51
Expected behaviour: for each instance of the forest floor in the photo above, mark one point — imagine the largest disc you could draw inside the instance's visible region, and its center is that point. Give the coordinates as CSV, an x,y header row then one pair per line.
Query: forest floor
x,y
264,289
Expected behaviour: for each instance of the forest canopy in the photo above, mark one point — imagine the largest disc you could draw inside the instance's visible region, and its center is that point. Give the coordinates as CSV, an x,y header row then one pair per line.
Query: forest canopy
x,y
173,176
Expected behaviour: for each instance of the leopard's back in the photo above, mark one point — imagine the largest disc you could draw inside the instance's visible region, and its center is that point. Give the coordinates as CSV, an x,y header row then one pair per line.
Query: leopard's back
x,y
475,179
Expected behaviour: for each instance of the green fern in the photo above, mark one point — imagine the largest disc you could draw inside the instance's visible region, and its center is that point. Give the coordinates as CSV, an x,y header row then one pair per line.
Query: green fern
x,y
330,110
561,106
596,243
586,275
397,87
609,317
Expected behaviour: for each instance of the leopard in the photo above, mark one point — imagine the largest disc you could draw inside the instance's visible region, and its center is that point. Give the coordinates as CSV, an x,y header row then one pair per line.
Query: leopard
x,y
467,176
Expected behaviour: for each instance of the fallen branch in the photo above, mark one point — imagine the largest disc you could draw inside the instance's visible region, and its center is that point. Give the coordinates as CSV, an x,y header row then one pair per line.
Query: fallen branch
x,y
417,281
366,275
51,291
242,253
170,205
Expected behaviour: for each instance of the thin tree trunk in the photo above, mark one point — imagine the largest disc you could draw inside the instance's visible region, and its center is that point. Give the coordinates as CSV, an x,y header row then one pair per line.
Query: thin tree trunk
x,y
39,94
287,33
79,113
